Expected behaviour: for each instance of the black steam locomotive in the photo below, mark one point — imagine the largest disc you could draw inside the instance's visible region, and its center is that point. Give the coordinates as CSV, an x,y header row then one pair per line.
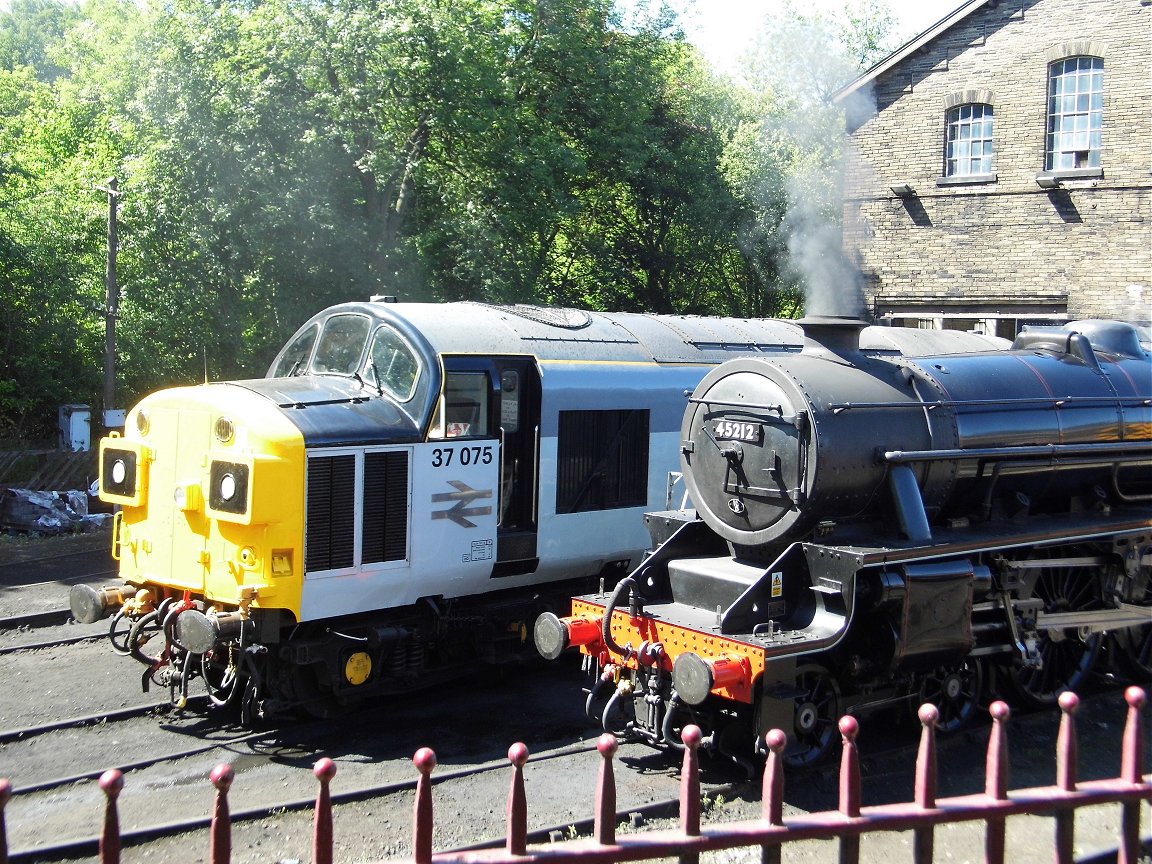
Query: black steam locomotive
x,y
875,529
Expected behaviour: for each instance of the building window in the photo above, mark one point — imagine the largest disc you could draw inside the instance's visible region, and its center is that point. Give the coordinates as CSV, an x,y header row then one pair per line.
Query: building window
x,y
1075,113
969,145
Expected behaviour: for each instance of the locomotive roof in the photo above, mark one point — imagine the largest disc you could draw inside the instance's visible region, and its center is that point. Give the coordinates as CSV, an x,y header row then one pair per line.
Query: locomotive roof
x,y
573,334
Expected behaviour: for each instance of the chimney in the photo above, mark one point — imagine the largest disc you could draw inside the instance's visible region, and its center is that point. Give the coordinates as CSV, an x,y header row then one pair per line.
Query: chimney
x,y
833,334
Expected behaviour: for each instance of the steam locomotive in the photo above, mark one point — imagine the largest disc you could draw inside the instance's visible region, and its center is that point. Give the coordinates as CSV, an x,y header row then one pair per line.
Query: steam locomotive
x,y
401,496
876,529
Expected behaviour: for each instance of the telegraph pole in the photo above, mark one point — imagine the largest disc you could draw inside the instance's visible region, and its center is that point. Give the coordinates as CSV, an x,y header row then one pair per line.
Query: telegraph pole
x,y
111,302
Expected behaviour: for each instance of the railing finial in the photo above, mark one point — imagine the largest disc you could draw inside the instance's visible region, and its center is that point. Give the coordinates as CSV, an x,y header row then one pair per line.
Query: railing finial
x,y
1131,766
222,776
926,782
996,780
605,825
425,762
5,796
692,737
517,827
324,771
111,781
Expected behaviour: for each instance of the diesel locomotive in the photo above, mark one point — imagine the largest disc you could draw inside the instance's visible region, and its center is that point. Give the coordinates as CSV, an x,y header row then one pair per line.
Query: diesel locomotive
x,y
870,530
400,497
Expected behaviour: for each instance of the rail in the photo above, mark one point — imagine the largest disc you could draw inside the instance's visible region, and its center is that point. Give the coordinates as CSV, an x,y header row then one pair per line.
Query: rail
x,y
847,824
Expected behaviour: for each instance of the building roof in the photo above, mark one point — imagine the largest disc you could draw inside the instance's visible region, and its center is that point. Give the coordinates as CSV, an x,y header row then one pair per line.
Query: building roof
x,y
911,46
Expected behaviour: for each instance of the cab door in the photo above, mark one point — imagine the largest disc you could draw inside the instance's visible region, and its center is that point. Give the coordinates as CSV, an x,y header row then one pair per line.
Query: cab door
x,y
519,425
510,407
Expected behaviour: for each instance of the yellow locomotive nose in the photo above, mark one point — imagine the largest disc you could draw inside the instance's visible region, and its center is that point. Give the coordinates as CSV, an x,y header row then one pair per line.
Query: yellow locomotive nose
x,y
212,505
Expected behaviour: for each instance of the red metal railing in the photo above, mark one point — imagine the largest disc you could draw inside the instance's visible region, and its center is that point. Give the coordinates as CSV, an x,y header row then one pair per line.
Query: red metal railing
x,y
847,824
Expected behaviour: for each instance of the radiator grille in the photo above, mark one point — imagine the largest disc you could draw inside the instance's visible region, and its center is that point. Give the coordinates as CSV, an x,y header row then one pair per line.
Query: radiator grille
x,y
330,536
385,507
602,460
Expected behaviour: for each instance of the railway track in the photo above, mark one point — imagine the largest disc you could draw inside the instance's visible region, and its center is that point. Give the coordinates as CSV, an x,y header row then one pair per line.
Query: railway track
x,y
36,620
24,733
52,643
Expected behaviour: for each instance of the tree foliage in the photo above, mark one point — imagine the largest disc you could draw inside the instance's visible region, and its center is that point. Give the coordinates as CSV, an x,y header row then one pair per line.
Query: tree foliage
x,y
278,156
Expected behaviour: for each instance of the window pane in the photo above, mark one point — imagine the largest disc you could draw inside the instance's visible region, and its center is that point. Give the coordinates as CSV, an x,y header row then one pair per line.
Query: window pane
x,y
392,365
341,344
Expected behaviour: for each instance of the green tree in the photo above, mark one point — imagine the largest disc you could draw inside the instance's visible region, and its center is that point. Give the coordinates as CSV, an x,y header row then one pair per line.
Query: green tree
x,y
30,33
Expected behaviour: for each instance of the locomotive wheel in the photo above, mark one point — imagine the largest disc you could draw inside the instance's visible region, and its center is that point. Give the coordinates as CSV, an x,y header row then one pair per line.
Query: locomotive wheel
x,y
956,691
815,733
1067,657
1134,645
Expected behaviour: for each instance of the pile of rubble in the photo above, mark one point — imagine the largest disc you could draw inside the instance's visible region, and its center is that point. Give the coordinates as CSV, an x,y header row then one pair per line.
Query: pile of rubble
x,y
26,511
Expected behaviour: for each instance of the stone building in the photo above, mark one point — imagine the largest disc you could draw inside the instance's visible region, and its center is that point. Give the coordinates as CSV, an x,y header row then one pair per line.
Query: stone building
x,y
1000,168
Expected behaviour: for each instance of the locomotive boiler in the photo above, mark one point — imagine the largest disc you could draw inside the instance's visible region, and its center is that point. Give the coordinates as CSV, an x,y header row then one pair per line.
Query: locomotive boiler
x,y
875,529
407,489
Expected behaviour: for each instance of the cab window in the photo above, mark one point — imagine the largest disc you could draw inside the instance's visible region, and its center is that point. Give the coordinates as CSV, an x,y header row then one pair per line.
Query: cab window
x,y
463,408
392,365
294,358
341,344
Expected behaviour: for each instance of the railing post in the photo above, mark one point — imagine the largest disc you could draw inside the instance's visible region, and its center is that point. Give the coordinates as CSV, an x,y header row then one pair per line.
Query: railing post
x,y
5,795
690,789
517,805
996,780
772,794
926,778
849,787
324,770
111,781
222,776
605,826
425,761
1067,771
1131,766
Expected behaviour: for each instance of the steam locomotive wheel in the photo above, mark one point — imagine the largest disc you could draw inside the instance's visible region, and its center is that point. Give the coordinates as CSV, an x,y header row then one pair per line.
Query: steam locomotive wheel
x,y
956,691
1135,645
815,734
1067,657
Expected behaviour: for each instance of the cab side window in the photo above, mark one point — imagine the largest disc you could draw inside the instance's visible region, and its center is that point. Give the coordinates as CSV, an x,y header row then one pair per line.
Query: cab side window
x,y
464,406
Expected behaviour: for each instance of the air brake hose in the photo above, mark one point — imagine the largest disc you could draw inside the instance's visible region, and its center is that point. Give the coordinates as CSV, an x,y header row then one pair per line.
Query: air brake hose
x,y
617,593
666,730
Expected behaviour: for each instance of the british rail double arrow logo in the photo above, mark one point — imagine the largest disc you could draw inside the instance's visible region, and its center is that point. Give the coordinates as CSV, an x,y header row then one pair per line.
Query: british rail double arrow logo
x,y
460,511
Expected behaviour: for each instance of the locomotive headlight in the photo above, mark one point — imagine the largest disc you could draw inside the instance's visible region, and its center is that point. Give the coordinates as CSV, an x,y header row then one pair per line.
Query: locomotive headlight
x,y
249,489
123,471
225,430
229,487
